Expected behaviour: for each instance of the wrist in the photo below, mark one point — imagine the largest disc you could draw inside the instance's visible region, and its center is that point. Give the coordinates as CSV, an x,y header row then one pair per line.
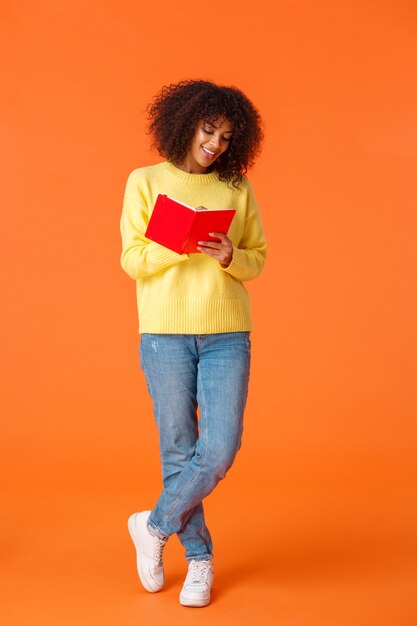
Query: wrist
x,y
227,261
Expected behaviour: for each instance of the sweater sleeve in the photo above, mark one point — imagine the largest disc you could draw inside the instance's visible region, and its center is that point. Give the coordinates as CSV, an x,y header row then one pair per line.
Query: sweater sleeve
x,y
249,255
140,256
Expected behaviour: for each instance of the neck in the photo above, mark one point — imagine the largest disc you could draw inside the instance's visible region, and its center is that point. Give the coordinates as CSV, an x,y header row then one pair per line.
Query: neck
x,y
190,168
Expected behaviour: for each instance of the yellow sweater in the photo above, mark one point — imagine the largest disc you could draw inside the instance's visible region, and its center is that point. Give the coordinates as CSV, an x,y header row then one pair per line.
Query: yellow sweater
x,y
190,293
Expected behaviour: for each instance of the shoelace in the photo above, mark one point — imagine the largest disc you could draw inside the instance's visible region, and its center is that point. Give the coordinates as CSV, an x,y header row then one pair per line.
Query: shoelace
x,y
159,549
199,571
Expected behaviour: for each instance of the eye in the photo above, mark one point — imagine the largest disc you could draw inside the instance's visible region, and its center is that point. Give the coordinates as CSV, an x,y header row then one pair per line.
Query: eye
x,y
210,132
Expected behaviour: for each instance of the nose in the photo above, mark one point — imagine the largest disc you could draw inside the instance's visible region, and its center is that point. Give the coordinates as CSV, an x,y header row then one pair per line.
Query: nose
x,y
214,142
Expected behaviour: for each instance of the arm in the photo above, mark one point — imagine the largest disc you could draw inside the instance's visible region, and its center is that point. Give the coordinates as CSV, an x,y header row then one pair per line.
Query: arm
x,y
141,257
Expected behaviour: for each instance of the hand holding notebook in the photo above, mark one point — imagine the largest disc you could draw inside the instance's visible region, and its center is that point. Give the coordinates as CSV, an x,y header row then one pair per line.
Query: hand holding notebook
x,y
180,227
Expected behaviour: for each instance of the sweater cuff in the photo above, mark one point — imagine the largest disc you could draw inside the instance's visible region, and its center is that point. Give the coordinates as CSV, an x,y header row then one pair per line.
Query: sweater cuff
x,y
237,267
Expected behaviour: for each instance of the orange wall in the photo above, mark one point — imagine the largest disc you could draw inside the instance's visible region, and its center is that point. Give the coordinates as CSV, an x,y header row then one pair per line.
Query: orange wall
x,y
333,393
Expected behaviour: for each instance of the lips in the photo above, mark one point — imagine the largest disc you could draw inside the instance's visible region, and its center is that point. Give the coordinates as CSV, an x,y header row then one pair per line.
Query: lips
x,y
208,154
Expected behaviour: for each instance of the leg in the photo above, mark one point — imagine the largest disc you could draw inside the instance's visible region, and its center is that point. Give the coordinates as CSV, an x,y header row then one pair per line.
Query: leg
x,y
222,384
170,364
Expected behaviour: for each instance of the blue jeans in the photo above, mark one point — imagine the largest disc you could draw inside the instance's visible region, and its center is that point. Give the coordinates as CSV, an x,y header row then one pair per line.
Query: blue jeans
x,y
184,372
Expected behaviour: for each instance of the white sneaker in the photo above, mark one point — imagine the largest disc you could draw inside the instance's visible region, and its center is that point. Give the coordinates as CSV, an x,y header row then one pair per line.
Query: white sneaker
x,y
198,584
149,550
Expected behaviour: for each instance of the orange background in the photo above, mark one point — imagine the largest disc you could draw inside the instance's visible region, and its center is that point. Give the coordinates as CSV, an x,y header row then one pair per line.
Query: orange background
x,y
315,524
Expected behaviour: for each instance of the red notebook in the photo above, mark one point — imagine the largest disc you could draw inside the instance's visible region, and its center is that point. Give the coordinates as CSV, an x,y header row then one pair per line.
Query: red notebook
x,y
180,227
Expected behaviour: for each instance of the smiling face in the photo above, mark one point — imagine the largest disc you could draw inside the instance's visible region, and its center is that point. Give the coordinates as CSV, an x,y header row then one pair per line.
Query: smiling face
x,y
210,140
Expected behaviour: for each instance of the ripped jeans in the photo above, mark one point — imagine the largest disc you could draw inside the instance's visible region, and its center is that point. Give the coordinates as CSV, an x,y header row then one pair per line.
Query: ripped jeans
x,y
183,372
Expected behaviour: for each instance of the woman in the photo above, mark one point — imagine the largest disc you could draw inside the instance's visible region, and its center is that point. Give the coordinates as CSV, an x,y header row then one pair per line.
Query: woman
x,y
194,314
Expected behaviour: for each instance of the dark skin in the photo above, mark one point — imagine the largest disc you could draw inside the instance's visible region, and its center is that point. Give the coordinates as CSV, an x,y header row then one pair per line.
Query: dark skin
x,y
221,251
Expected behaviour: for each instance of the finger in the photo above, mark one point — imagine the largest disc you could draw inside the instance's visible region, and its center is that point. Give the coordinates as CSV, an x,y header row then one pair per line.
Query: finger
x,y
219,235
209,251
210,244
224,260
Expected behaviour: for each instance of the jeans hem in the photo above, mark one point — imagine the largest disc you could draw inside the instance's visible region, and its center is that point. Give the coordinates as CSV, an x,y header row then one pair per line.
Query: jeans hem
x,y
204,557
156,531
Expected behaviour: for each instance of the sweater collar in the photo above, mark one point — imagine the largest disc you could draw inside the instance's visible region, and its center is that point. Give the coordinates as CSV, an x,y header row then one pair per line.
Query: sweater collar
x,y
201,179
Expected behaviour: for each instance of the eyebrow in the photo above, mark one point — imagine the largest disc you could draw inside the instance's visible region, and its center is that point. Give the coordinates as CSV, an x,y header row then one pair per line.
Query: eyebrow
x,y
225,132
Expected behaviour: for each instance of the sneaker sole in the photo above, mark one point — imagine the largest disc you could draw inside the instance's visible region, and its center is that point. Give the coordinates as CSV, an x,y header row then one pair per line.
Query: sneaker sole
x,y
193,602
131,525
